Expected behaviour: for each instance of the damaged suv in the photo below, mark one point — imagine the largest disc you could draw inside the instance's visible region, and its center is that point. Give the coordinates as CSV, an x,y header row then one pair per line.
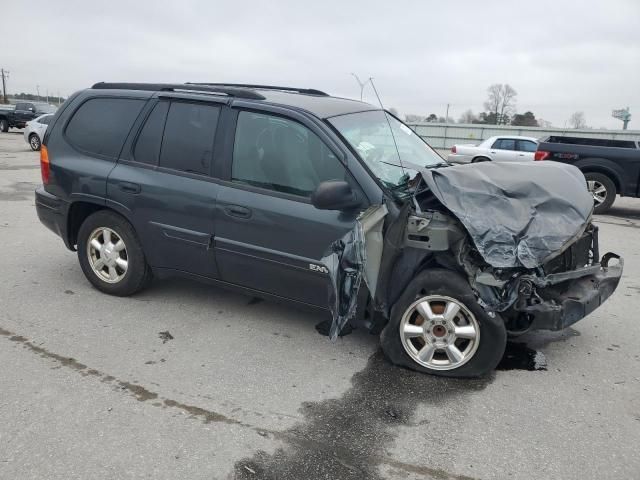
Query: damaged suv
x,y
290,193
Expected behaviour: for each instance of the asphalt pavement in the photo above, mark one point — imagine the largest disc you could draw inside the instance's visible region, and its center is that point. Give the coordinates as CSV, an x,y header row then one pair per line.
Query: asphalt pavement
x,y
189,381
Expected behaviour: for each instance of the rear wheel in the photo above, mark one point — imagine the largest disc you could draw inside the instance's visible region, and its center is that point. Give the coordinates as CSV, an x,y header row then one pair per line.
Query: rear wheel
x,y
110,254
4,125
34,142
603,190
480,159
438,327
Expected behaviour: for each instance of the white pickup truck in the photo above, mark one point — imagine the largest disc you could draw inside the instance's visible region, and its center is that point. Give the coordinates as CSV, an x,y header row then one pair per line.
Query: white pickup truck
x,y
498,149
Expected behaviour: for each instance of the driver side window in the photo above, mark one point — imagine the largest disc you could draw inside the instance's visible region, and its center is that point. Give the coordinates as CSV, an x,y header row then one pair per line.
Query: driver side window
x,y
279,154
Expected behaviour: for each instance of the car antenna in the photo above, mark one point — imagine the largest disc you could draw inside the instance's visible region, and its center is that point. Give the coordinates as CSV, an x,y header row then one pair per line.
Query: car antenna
x,y
388,123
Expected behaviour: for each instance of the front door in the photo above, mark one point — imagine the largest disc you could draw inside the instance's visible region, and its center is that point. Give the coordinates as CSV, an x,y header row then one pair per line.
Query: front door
x,y
268,235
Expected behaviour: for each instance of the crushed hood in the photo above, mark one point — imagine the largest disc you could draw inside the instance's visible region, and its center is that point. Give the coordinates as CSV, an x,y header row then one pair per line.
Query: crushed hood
x,y
517,214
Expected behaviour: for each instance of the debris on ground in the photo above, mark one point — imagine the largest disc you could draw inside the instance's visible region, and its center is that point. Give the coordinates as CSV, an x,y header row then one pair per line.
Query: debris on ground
x,y
165,336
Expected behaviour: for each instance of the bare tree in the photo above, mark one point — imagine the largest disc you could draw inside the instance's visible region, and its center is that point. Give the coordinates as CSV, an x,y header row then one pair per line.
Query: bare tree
x,y
467,117
501,102
577,120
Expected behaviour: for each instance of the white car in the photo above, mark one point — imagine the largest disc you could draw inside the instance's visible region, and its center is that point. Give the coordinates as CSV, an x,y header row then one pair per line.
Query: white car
x,y
34,131
503,148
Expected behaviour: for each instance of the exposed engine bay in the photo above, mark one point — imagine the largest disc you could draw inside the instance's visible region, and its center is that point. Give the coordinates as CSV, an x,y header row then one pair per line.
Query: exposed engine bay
x,y
521,233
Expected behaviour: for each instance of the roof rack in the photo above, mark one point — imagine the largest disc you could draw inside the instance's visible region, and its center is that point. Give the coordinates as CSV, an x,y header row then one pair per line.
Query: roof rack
x,y
229,90
306,91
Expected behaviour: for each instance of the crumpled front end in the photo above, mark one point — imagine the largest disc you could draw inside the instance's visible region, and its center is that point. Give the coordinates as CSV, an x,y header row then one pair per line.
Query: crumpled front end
x,y
522,236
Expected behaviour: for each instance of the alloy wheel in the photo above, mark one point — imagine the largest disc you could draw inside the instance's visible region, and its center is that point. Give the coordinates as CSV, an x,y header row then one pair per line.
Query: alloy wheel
x,y
597,190
107,255
439,332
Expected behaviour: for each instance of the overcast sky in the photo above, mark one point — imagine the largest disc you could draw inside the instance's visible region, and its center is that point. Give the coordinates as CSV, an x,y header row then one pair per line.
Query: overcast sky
x,y
561,56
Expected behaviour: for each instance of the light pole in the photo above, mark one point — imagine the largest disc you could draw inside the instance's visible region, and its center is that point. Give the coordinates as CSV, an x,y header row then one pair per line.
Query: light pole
x,y
361,83
38,91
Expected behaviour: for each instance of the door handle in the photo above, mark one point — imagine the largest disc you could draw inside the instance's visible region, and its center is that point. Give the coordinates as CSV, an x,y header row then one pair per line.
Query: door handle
x,y
237,211
129,187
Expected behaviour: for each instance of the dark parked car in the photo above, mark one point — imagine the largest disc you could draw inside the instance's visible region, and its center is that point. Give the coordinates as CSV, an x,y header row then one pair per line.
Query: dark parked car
x,y
24,112
327,202
611,167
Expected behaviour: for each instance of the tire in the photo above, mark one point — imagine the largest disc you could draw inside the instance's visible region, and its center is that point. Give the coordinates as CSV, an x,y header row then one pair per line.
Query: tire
x,y
602,201
4,125
34,142
127,280
480,159
482,353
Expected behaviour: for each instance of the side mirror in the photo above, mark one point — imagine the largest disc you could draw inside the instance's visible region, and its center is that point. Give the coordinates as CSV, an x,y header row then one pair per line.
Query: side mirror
x,y
334,195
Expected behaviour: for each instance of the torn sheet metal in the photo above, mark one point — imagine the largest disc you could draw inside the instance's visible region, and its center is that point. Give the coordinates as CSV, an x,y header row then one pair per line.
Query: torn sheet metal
x,y
517,214
355,256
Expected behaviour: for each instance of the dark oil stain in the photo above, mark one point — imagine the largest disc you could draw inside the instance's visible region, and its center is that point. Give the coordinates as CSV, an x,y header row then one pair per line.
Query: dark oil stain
x,y
346,438
69,292
139,392
149,362
518,356
205,415
254,301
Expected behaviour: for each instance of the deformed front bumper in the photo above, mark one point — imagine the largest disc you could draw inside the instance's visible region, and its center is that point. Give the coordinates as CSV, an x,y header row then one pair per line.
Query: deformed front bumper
x,y
571,296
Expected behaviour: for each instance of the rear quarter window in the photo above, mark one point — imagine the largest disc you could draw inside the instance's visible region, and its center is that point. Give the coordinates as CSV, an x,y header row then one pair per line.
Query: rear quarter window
x,y
100,125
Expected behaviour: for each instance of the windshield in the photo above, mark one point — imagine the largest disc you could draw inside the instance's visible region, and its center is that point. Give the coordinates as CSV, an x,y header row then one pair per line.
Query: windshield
x,y
369,134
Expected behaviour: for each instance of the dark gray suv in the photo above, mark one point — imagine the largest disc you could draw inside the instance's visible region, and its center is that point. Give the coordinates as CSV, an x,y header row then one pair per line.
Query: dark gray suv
x,y
328,202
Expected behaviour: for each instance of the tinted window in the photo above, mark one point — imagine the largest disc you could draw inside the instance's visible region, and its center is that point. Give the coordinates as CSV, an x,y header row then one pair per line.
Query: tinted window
x,y
45,120
22,106
527,146
188,137
504,144
101,125
147,149
279,154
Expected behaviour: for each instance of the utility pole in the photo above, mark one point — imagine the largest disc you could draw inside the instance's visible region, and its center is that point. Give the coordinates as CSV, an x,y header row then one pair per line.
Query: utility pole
x,y
4,74
446,117
38,91
362,84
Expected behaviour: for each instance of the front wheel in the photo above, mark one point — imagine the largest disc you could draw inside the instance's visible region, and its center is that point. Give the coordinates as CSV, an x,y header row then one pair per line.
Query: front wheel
x,y
4,125
602,189
438,327
110,254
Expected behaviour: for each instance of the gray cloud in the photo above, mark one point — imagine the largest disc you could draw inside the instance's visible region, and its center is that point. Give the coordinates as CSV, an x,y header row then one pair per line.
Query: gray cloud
x,y
561,56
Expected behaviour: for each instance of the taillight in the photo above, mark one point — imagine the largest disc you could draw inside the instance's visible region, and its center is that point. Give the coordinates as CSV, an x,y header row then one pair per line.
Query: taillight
x,y
44,165
541,155
453,149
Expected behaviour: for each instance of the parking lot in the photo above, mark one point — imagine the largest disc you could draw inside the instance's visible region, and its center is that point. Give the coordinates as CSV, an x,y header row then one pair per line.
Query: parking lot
x,y
190,381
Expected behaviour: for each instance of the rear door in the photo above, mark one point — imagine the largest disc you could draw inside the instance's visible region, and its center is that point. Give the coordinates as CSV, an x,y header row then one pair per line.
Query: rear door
x,y
526,149
504,150
268,235
163,182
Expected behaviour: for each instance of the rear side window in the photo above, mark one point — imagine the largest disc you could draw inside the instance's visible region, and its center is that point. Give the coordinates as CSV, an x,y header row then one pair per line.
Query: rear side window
x,y
527,146
147,148
189,134
505,144
100,125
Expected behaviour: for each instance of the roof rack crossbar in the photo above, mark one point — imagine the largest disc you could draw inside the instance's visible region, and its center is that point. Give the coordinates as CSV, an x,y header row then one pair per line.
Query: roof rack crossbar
x,y
187,87
306,91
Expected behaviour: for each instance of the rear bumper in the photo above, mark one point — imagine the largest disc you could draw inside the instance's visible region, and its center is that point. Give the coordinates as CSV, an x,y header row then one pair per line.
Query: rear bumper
x,y
52,212
564,303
